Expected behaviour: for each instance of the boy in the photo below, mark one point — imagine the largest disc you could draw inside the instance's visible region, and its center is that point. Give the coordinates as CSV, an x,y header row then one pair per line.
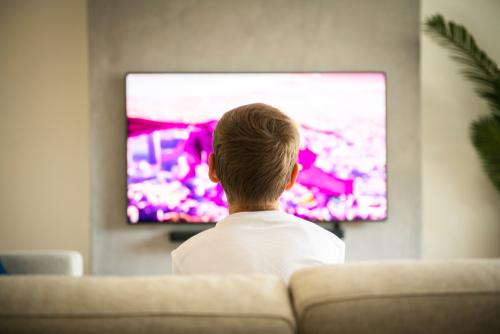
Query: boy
x,y
254,157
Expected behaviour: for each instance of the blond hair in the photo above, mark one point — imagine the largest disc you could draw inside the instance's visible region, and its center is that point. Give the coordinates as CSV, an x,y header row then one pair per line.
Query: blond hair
x,y
255,149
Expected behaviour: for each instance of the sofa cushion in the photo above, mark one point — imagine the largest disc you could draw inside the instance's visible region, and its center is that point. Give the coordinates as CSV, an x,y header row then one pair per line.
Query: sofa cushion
x,y
41,262
399,297
168,304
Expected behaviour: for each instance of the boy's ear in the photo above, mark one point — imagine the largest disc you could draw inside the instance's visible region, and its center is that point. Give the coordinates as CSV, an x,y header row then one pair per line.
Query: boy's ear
x,y
212,175
293,177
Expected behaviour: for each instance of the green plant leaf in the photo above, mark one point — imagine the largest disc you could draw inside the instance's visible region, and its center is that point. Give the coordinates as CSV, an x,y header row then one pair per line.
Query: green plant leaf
x,y
479,68
484,73
485,135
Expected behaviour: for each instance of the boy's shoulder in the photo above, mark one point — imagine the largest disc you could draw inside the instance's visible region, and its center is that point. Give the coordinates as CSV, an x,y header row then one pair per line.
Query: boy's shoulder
x,y
306,224
324,240
194,241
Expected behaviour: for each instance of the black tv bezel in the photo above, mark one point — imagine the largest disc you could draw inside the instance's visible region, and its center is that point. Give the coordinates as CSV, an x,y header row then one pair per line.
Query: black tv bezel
x,y
211,224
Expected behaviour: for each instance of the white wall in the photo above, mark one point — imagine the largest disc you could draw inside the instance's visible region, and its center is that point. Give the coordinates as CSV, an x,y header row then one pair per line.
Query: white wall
x,y
44,140
257,35
461,210
44,131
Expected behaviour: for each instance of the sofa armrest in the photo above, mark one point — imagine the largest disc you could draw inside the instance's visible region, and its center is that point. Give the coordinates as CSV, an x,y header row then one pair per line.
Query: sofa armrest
x,y
57,262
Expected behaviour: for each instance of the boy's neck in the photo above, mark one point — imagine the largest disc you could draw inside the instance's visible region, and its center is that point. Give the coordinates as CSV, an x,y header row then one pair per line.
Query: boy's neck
x,y
235,207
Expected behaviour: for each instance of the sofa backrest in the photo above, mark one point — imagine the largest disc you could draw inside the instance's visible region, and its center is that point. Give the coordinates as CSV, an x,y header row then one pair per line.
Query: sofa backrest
x,y
399,297
372,297
168,304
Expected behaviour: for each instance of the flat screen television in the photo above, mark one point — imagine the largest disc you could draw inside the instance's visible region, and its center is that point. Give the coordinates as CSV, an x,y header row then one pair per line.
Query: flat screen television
x,y
342,124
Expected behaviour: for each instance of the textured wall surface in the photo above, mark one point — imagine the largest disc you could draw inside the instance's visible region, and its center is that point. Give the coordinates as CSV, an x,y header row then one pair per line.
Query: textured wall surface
x,y
187,35
461,209
44,126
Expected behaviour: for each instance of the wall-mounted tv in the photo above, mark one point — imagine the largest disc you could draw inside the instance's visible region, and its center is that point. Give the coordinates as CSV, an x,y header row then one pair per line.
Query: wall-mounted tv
x,y
342,123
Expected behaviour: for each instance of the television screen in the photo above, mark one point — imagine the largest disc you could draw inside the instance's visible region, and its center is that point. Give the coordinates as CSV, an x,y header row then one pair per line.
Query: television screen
x,y
342,124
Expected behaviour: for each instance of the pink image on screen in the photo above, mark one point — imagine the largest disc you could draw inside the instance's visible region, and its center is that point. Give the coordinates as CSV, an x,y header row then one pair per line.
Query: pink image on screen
x,y
341,117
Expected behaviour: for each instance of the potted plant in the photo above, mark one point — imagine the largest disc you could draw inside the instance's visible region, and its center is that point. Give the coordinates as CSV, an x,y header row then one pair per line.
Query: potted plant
x,y
484,73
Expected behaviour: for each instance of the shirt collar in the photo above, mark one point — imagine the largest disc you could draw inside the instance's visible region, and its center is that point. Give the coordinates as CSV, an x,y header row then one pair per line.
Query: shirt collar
x,y
244,215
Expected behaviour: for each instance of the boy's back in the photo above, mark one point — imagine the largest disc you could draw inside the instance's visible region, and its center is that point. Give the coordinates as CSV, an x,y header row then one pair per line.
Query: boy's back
x,y
254,158
269,242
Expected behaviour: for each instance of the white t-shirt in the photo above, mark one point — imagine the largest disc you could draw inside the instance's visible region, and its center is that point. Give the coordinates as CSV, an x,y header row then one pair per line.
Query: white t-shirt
x,y
270,242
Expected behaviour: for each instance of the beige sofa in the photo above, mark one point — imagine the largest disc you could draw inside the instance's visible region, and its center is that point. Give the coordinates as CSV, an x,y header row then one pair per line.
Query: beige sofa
x,y
384,297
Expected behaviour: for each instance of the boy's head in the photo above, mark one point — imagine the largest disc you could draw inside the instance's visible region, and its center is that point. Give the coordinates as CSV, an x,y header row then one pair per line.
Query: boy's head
x,y
255,155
